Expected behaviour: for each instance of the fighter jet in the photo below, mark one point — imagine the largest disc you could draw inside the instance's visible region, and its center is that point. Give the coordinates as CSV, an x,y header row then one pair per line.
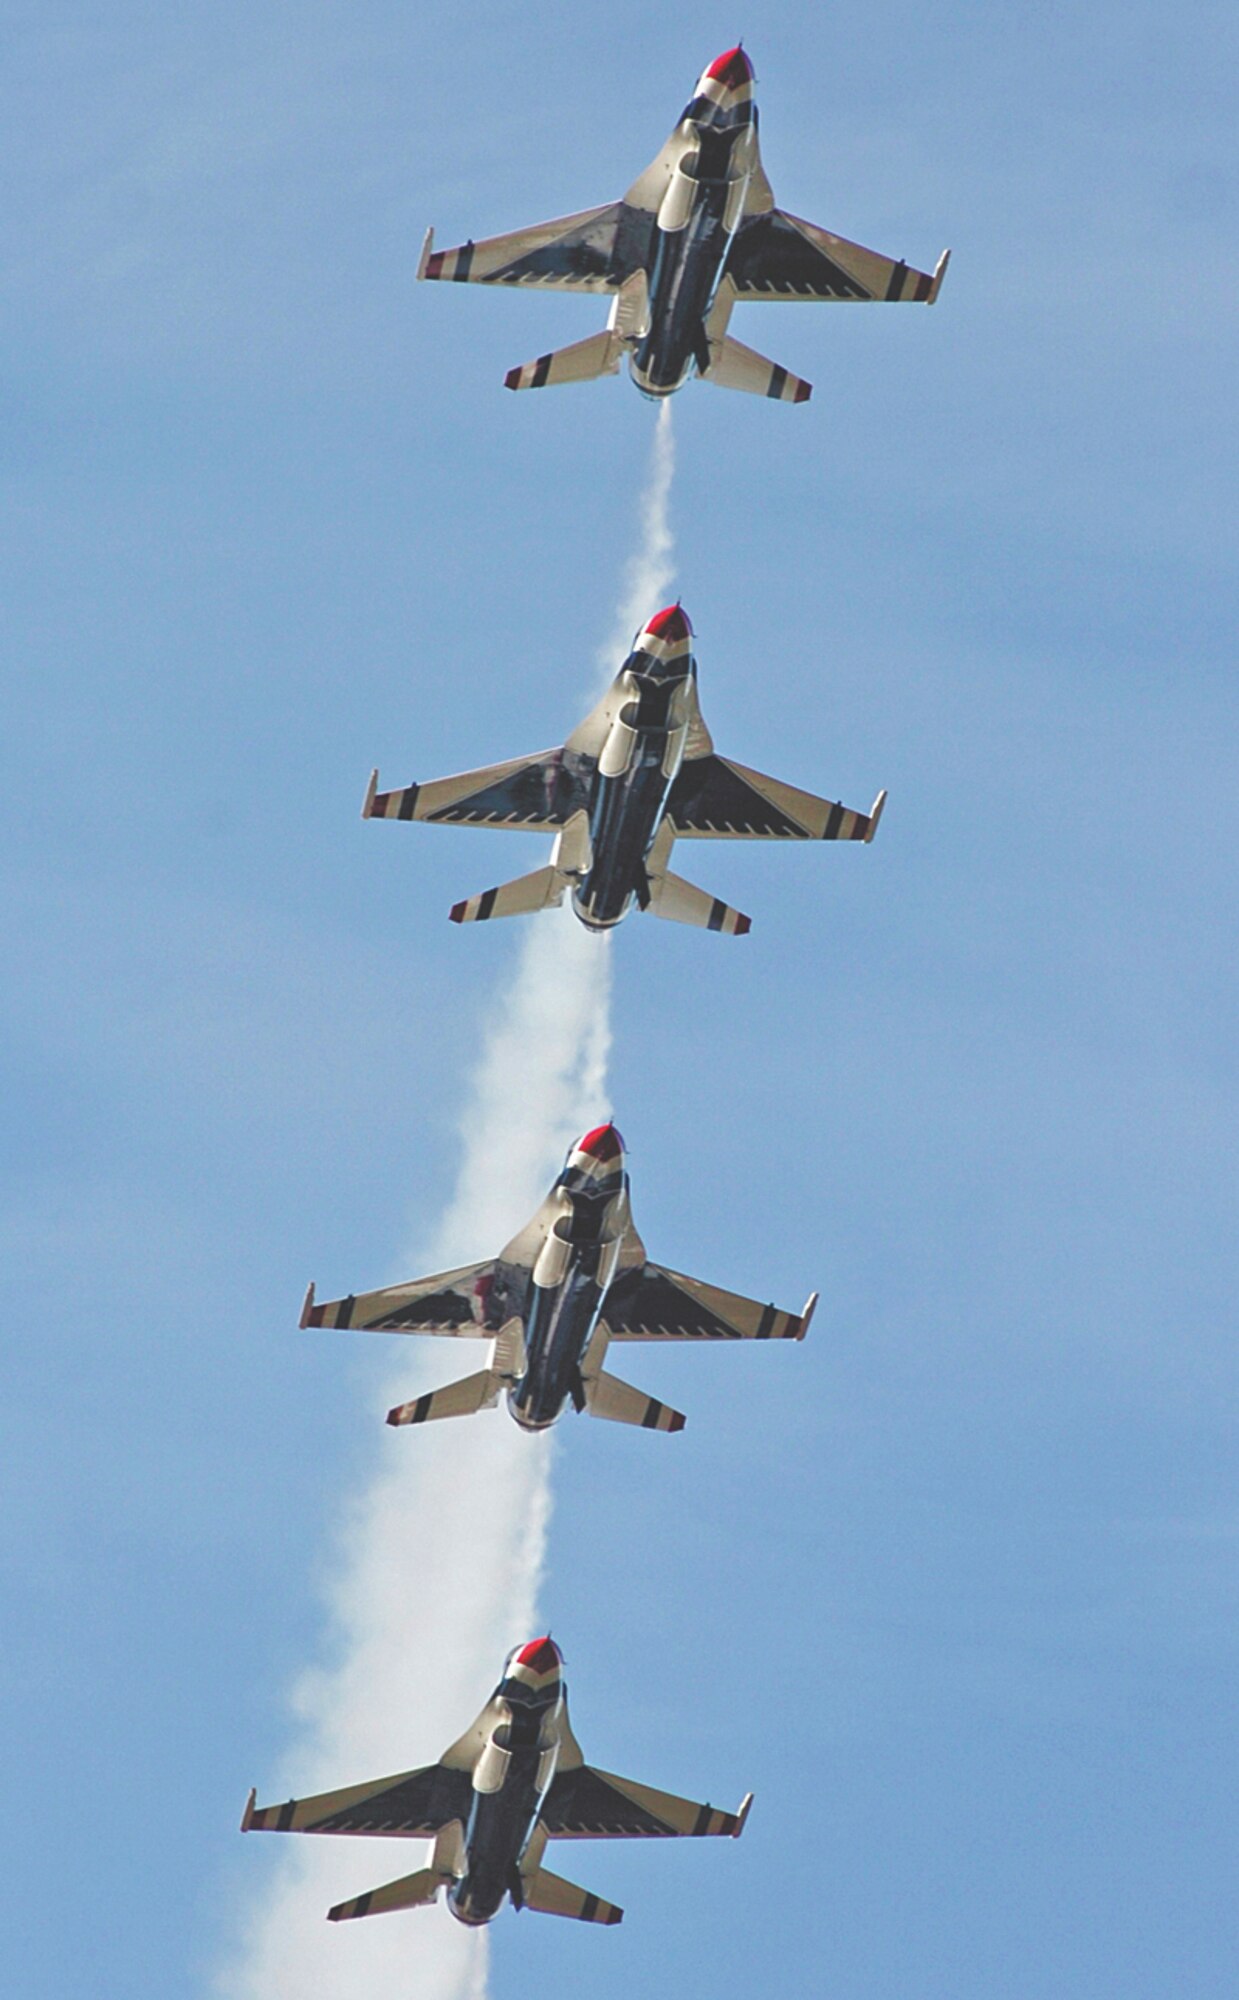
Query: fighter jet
x,y
515,1780
639,773
573,1279
696,232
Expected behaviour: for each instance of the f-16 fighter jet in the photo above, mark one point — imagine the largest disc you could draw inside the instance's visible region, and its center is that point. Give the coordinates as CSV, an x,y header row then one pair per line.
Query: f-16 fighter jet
x,y
695,233
574,1279
515,1780
638,774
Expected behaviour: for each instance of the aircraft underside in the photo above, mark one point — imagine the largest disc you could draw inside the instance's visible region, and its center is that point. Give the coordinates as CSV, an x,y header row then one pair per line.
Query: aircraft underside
x,y
625,817
560,1327
684,278
499,1828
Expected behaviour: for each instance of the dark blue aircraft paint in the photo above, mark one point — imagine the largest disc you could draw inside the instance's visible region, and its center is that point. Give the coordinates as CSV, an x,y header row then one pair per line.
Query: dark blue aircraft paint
x,y
686,265
500,1823
625,811
560,1319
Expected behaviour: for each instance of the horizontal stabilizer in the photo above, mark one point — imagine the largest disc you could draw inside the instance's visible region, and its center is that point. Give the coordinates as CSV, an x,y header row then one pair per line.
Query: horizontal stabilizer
x,y
734,366
457,1399
606,1396
411,1892
683,903
537,891
557,1898
584,361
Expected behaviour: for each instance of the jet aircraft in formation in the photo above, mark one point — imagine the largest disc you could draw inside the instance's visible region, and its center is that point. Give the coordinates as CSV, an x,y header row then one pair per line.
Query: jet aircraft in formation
x,y
573,1279
516,1779
638,774
696,233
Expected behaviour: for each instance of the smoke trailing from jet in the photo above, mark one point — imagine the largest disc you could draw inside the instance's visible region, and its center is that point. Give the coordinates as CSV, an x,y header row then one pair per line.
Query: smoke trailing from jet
x,y
650,573
437,1563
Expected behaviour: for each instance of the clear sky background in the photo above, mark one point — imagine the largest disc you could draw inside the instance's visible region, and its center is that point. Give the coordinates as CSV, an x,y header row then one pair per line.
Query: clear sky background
x,y
953,1586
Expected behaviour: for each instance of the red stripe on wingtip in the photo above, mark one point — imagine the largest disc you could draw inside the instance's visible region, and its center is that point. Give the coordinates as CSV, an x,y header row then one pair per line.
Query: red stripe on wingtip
x,y
456,914
803,392
743,926
512,380
434,266
677,1421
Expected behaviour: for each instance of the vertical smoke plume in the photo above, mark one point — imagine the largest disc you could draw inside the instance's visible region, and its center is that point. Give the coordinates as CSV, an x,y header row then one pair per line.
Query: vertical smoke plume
x,y
438,1562
650,573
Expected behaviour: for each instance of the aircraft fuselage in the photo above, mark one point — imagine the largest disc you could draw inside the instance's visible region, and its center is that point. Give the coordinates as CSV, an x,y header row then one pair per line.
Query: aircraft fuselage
x,y
565,1297
510,1781
696,223
501,1821
637,768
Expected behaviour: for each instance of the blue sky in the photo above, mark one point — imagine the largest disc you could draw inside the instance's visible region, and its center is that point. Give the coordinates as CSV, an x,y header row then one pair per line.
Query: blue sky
x,y
953,1586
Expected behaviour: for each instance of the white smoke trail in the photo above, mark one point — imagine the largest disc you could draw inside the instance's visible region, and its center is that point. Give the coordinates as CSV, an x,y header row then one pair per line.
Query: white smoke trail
x,y
651,571
439,1560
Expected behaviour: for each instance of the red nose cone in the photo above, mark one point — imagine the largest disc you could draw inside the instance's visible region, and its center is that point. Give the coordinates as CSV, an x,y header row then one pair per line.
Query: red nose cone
x,y
603,1143
540,1656
732,69
672,624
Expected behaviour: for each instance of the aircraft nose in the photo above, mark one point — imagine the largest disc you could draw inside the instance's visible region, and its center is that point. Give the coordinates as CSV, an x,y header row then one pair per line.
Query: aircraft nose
x,y
603,1143
732,69
541,1656
671,625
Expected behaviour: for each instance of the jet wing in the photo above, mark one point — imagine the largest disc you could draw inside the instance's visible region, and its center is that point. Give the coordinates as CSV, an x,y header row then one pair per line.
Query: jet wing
x,y
574,253
587,1804
658,1304
414,1803
713,799
451,1302
778,256
534,793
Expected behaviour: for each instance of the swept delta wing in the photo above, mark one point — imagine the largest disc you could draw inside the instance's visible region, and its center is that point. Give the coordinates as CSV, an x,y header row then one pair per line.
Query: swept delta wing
x,y
515,1780
451,1302
778,257
637,774
654,1303
573,253
574,1278
595,1805
697,233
